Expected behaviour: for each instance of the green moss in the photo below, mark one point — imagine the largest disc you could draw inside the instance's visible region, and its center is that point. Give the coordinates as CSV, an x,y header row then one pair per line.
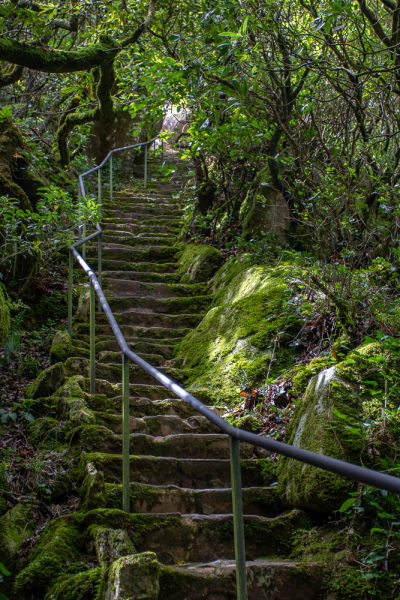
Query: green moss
x,y
236,341
63,347
302,374
45,432
83,586
198,263
47,382
316,427
16,525
248,423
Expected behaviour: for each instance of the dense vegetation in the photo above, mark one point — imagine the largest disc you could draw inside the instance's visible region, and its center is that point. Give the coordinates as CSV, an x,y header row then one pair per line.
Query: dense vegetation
x,y
288,115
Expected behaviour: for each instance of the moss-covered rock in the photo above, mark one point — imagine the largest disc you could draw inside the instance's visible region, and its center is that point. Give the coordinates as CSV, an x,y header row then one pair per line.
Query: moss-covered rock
x,y
53,307
47,382
92,493
88,585
16,525
317,428
198,263
45,432
134,577
4,315
59,551
242,337
110,545
62,347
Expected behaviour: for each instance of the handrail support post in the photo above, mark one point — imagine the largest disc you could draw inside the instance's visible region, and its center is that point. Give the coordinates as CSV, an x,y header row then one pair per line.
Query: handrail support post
x,y
145,166
92,339
111,179
70,290
125,435
238,523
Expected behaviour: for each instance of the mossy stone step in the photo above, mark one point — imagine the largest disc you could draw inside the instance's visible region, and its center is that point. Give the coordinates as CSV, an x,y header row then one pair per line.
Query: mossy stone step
x,y
136,229
128,286
164,269
144,406
130,333
154,304
267,580
144,276
130,240
163,348
194,473
151,319
145,498
200,538
158,425
113,372
132,255
114,358
94,438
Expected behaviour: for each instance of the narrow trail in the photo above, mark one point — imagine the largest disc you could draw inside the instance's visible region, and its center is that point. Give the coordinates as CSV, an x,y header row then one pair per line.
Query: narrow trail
x,y
179,464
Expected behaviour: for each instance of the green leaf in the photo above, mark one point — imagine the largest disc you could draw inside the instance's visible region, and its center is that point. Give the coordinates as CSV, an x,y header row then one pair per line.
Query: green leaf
x,y
4,570
349,502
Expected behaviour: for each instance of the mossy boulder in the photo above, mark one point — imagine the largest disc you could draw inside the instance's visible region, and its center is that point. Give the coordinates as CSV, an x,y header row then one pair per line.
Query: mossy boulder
x,y
92,492
110,545
15,526
134,577
316,428
47,382
77,366
62,348
242,337
4,316
198,263
88,585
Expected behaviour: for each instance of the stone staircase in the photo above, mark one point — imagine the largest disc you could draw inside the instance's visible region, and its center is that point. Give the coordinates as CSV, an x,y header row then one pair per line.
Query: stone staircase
x,y
179,466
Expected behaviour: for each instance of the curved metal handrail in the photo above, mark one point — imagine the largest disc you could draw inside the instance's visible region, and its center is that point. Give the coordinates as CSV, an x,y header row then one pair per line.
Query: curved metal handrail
x,y
345,469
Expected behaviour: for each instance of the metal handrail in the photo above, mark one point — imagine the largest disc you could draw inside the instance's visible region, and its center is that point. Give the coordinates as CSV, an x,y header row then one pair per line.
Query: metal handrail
x,y
345,469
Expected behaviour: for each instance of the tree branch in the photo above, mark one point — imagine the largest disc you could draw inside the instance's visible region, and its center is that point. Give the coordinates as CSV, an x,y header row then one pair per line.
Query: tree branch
x,y
142,28
11,76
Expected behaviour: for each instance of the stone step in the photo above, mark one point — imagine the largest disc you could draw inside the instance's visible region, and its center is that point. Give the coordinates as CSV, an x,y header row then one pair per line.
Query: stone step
x,y
158,425
139,347
130,332
114,358
172,210
113,372
136,254
150,268
143,406
202,538
155,305
130,241
261,501
193,473
93,438
148,277
135,228
158,320
272,579
119,287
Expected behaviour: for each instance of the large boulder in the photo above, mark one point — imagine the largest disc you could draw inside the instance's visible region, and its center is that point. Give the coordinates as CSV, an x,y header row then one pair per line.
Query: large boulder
x,y
134,577
198,263
334,419
47,382
315,428
235,345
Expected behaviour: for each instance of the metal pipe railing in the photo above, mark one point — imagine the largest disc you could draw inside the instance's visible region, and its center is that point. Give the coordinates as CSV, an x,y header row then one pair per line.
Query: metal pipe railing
x,y
345,469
